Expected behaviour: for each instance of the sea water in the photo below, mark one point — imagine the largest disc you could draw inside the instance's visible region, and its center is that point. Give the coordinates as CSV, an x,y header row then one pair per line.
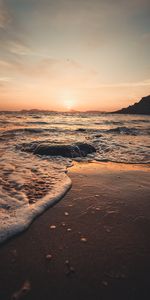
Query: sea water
x,y
30,183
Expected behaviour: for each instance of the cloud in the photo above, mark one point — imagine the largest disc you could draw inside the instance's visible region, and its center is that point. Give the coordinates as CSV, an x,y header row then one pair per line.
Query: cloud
x,y
4,79
12,37
127,84
42,67
18,48
5,83
5,17
146,37
5,64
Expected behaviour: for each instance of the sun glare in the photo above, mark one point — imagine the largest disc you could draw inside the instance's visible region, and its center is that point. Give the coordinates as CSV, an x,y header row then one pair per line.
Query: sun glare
x,y
69,104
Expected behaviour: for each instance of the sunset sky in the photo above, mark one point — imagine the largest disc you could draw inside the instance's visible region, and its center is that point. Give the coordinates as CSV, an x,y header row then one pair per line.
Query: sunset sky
x,y
74,54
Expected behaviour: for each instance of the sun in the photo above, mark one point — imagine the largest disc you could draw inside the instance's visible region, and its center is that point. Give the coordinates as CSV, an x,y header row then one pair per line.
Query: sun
x,y
69,104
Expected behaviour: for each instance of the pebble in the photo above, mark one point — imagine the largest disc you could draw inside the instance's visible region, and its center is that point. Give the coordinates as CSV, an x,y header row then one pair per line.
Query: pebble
x,y
66,213
69,229
104,283
52,226
31,201
24,290
116,275
83,239
67,263
14,252
48,256
70,269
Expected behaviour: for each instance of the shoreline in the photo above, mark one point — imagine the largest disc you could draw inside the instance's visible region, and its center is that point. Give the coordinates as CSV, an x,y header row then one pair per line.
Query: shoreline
x,y
101,227
34,211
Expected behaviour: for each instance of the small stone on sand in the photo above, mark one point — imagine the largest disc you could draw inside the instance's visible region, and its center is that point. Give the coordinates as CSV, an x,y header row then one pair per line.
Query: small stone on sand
x,y
66,213
104,283
70,269
48,256
67,263
31,201
52,227
26,287
83,239
69,229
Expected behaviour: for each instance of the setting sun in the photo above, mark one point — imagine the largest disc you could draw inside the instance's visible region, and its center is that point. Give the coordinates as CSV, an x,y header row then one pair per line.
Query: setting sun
x,y
69,104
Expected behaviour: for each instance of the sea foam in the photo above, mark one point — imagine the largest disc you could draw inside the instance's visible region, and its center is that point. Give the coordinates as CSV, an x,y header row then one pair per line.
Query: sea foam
x,y
29,186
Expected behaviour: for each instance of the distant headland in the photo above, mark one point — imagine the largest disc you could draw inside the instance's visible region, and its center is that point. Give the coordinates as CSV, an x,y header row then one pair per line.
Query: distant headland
x,y
142,107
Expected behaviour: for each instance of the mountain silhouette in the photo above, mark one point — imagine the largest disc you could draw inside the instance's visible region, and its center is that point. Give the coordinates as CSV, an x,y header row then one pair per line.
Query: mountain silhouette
x,y
142,107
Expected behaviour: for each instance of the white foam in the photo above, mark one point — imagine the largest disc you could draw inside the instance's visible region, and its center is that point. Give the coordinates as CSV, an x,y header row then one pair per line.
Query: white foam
x,y
18,173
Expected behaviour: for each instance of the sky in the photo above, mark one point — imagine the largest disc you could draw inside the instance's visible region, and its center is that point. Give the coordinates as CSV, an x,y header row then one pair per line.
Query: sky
x,y
74,54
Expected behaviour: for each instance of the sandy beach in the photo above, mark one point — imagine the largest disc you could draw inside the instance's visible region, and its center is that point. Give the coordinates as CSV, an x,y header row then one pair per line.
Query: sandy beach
x,y
93,244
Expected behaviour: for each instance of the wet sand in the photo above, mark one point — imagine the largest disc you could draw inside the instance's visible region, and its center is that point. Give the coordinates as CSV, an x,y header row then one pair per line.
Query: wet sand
x,y
93,244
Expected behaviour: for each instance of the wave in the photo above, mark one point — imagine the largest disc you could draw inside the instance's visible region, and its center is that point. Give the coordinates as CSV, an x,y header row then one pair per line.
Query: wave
x,y
33,130
123,161
22,130
109,123
28,186
81,130
124,130
37,122
2,122
21,217
139,121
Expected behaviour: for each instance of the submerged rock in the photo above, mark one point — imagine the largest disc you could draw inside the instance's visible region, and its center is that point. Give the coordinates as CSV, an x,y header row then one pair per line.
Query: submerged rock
x,y
72,151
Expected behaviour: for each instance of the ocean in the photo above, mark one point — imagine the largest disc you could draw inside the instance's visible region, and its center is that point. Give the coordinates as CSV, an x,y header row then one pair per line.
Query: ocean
x,y
31,182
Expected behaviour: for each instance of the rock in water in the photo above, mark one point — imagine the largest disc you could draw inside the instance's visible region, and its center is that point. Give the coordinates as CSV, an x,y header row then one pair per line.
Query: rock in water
x,y
72,151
